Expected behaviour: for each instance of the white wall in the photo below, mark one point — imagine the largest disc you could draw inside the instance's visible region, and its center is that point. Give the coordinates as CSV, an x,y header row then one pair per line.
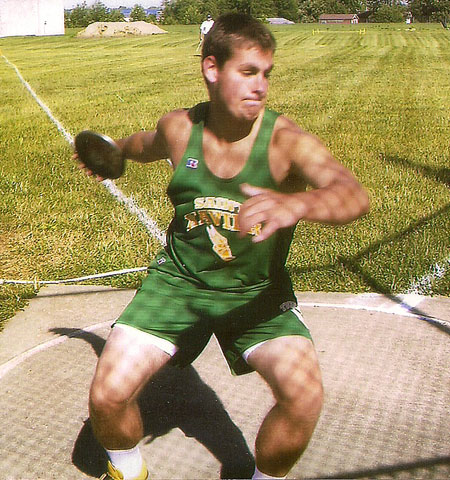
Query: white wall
x,y
31,17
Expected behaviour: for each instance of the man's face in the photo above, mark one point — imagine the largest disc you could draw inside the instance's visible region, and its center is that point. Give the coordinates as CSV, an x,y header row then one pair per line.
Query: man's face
x,y
243,81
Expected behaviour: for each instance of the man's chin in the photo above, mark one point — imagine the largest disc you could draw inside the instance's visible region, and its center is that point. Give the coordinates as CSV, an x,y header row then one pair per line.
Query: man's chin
x,y
251,112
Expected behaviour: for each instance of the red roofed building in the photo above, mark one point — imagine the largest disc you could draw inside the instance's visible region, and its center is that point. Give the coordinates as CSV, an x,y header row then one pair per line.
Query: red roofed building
x,y
340,18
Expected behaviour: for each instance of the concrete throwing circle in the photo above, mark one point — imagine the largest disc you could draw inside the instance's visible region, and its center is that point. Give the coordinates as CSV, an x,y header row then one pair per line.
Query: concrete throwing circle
x,y
385,415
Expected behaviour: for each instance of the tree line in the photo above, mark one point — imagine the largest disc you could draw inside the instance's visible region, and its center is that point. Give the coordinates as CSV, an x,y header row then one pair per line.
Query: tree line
x,y
194,11
82,15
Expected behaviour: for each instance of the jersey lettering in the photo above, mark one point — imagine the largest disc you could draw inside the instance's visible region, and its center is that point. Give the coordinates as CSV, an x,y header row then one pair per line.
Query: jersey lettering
x,y
218,211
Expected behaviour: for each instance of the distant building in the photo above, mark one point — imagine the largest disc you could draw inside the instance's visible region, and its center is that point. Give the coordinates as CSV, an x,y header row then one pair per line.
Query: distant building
x,y
279,21
31,17
340,18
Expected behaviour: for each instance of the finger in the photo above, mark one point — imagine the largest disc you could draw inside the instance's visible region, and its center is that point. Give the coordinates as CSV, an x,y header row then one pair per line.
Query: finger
x,y
248,223
251,190
249,219
269,229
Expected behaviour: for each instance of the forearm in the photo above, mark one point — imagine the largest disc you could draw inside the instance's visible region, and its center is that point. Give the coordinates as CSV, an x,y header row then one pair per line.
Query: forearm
x,y
336,204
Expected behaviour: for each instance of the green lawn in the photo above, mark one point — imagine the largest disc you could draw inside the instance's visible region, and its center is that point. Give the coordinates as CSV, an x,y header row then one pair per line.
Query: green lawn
x,y
376,94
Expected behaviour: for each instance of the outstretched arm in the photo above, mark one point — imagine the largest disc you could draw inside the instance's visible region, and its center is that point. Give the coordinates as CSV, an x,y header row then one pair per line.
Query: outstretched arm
x,y
336,196
145,146
148,146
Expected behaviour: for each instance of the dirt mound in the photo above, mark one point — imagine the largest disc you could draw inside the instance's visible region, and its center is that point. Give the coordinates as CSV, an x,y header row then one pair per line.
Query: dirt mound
x,y
119,29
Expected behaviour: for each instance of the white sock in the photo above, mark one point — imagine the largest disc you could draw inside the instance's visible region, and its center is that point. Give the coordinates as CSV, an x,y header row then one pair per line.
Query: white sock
x,y
129,462
262,476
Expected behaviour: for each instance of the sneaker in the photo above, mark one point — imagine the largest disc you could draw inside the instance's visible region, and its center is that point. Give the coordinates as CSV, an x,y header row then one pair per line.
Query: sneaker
x,y
115,474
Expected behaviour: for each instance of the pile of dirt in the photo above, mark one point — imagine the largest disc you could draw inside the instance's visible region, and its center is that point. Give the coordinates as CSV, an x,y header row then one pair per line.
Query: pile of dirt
x,y
119,29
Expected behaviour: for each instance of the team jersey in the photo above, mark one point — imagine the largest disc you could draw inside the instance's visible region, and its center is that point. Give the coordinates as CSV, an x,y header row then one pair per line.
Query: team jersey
x,y
202,239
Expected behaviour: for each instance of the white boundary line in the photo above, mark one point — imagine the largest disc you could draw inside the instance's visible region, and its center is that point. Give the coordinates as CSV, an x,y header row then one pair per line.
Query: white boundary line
x,y
129,202
134,208
44,107
402,312
424,285
14,362
36,282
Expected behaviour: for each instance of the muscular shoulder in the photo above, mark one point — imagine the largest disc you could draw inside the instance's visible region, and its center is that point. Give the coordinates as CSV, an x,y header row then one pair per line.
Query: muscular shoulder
x,y
175,127
294,152
286,139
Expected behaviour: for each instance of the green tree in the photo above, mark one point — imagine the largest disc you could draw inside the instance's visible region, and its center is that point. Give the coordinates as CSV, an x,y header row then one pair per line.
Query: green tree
x,y
79,16
244,6
388,14
309,11
98,12
431,10
115,15
263,9
138,14
287,9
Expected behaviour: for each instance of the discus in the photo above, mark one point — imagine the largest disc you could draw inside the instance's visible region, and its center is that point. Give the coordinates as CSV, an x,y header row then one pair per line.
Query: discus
x,y
100,154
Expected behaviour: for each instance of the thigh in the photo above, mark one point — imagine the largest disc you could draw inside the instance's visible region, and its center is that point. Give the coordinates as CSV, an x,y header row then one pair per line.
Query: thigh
x,y
127,363
174,310
257,327
289,365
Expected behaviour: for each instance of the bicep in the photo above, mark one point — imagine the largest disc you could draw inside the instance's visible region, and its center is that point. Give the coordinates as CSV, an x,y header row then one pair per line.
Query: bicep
x,y
144,146
312,161
155,146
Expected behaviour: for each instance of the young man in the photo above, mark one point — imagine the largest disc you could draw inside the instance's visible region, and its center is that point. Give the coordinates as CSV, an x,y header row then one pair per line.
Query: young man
x,y
239,189
205,27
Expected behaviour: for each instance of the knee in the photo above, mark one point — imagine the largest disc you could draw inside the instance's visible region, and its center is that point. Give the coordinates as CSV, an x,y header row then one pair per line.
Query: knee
x,y
105,398
298,387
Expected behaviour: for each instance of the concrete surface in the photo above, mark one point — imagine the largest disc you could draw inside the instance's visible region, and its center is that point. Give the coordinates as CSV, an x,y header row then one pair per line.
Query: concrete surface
x,y
385,363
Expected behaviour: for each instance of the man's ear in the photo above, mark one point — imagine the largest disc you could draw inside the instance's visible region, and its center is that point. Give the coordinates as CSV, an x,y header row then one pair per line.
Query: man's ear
x,y
210,69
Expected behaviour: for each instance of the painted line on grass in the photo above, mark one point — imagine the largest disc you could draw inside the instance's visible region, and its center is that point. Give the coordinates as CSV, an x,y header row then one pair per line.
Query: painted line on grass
x,y
129,202
424,285
134,208
37,283
44,107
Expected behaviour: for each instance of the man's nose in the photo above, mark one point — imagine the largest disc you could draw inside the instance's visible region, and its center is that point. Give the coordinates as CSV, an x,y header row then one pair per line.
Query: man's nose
x,y
260,83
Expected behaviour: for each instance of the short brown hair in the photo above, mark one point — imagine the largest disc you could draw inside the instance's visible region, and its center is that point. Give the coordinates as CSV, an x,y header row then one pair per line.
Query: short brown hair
x,y
236,29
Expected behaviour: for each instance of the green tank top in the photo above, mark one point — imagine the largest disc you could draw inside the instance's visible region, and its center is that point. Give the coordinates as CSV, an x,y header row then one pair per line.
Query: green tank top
x,y
202,238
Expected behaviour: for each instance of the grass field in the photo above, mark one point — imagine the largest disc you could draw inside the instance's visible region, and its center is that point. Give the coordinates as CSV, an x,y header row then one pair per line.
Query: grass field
x,y
378,97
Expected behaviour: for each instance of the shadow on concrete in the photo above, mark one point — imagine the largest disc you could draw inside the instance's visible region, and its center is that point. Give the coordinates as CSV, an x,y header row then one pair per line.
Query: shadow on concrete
x,y
393,471
174,398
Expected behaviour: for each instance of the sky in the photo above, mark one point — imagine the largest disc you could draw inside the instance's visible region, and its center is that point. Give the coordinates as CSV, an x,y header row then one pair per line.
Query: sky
x,y
114,3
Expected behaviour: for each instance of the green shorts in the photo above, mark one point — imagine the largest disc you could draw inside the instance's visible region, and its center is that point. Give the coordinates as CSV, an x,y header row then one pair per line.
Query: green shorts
x,y
180,312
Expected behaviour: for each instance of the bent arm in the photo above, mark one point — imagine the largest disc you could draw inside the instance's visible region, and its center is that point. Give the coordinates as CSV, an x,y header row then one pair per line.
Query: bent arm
x,y
336,196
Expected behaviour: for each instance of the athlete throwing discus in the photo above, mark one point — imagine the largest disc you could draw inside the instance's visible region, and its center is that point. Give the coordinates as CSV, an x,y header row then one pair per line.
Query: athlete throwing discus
x,y
238,189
